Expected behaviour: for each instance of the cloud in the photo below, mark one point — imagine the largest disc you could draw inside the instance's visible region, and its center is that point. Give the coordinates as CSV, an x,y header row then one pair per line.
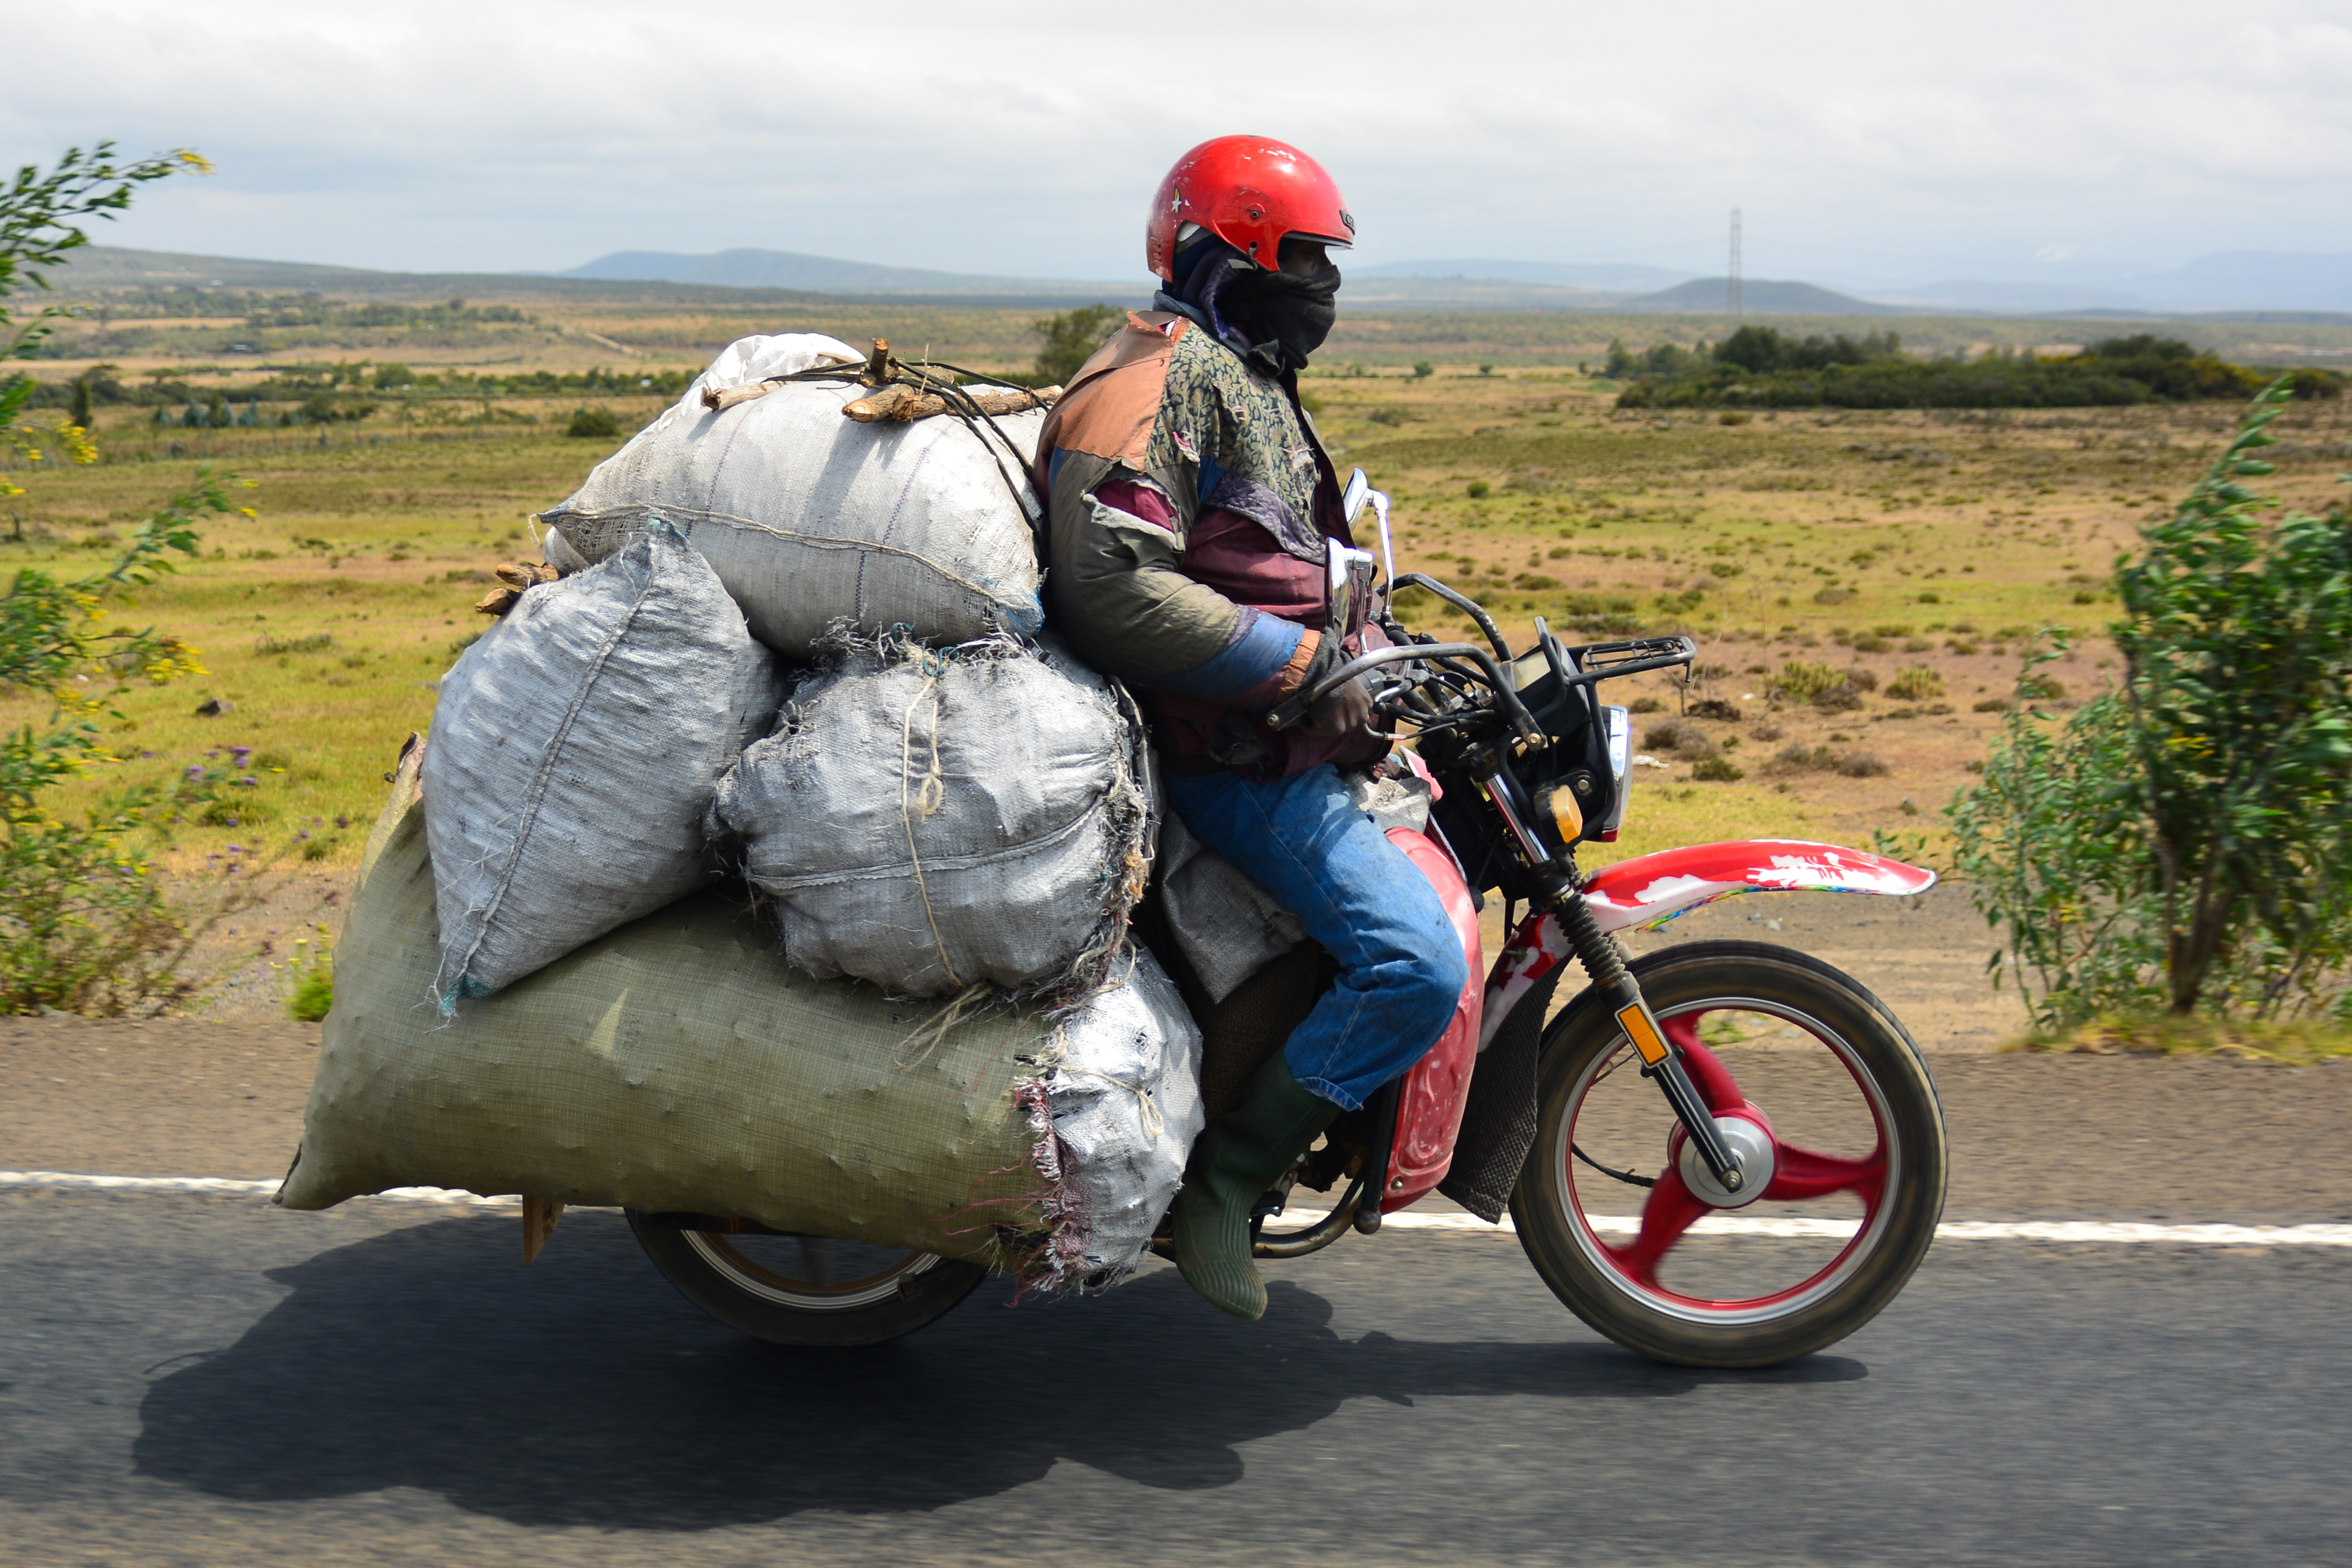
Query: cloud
x,y
1025,137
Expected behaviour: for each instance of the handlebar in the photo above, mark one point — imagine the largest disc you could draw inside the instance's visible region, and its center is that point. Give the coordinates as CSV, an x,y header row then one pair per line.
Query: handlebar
x,y
1296,707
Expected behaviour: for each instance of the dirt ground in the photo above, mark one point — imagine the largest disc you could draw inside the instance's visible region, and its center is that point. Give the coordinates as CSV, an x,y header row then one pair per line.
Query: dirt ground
x,y
2035,1137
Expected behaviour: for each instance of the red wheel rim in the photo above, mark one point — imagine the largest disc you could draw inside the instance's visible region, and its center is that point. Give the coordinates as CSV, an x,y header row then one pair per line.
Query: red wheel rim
x,y
1671,1211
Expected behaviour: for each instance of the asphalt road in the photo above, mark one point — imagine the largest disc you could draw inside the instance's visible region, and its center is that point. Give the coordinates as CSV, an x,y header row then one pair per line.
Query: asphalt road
x,y
204,1380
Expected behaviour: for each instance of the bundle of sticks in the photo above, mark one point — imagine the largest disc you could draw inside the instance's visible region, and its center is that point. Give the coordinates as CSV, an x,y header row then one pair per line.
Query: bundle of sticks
x,y
902,392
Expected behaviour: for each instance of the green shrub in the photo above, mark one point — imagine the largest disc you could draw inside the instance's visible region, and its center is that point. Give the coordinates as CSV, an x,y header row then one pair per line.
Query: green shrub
x,y
1757,367
1071,338
313,990
1717,771
2185,842
593,423
85,926
1803,681
1916,684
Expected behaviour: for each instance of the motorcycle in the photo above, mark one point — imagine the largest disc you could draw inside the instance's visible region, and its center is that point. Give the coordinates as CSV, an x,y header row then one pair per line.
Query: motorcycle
x,y
1779,1123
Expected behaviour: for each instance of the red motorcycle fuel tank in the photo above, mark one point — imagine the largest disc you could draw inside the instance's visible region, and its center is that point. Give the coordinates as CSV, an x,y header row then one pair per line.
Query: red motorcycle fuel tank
x,y
1431,1095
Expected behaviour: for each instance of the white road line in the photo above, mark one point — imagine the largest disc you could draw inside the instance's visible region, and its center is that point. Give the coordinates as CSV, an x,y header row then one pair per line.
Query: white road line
x,y
2100,1230
2107,1231
71,1180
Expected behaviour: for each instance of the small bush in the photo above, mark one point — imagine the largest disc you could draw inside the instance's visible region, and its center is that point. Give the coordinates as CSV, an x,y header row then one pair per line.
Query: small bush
x,y
1861,680
1716,708
1480,490
1838,699
2036,686
1071,339
318,642
1992,704
595,424
1646,704
1679,736
1802,679
1717,771
1860,765
1915,683
314,979
1799,758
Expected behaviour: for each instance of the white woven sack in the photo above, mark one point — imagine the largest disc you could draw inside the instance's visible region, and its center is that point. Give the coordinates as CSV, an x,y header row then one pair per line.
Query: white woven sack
x,y
933,821
1124,1094
809,516
575,748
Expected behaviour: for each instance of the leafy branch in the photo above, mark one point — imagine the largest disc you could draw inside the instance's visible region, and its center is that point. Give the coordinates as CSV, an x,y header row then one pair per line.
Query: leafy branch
x,y
40,221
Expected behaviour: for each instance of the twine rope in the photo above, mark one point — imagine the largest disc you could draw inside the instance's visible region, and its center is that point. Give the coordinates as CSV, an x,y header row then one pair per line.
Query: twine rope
x,y
925,800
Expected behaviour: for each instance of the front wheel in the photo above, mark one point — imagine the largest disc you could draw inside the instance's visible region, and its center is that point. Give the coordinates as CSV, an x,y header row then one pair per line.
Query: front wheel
x,y
1831,1106
804,1289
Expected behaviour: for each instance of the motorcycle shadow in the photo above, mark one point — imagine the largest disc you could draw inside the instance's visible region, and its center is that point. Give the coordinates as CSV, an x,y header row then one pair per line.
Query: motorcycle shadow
x,y
584,1392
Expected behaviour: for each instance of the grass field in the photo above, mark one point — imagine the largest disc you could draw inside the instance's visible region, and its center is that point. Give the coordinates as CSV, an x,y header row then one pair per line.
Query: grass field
x,y
1869,542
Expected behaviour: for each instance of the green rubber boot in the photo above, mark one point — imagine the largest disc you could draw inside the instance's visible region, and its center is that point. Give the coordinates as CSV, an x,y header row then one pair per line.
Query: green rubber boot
x,y
1240,1155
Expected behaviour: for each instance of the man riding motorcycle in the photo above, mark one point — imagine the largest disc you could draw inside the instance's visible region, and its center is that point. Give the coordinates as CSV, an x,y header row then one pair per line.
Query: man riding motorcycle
x,y
1190,501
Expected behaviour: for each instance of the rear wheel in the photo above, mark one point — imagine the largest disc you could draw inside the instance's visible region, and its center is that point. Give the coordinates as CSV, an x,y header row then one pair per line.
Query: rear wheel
x,y
804,1289
1806,1073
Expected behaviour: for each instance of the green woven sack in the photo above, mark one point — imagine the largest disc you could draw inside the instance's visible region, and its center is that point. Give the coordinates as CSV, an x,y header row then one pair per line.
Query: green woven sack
x,y
678,1063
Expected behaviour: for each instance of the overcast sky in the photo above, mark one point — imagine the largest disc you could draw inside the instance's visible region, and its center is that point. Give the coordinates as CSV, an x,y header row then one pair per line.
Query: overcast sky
x,y
1871,142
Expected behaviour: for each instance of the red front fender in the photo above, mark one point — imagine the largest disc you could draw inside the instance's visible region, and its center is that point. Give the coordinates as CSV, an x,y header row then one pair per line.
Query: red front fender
x,y
1644,892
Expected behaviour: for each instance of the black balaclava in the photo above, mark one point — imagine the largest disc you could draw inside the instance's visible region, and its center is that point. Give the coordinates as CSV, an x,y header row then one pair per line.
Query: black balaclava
x,y
1274,320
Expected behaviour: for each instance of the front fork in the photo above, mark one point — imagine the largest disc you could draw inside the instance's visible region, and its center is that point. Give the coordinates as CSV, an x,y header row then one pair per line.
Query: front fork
x,y
1560,888
1661,1060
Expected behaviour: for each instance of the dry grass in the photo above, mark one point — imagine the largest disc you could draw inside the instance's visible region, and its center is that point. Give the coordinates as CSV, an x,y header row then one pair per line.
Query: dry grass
x,y
2167,1034
1871,543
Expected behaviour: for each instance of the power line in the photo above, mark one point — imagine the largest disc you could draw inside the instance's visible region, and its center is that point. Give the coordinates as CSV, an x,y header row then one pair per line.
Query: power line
x,y
1731,299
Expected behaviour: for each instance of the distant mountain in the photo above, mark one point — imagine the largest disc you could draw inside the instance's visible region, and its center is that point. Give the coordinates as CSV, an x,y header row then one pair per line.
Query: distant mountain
x,y
102,267
114,267
1973,295
2255,280
1620,279
751,268
2225,280
1363,293
1761,296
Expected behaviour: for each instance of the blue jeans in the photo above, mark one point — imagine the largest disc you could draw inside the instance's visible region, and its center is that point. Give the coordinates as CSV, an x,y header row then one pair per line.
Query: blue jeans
x,y
1401,964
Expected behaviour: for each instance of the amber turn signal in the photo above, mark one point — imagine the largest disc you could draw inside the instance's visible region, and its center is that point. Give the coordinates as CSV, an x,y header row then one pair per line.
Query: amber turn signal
x,y
1559,802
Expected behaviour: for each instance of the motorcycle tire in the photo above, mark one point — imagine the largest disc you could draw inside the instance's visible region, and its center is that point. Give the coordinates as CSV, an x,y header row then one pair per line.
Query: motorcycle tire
x,y
1616,1288
769,1288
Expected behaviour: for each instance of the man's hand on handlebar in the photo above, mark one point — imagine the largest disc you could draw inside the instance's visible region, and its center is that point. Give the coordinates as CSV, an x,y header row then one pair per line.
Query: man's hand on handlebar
x,y
1341,713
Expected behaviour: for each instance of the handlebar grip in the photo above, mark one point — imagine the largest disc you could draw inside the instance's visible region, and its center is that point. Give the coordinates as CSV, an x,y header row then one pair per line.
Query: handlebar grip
x,y
1289,711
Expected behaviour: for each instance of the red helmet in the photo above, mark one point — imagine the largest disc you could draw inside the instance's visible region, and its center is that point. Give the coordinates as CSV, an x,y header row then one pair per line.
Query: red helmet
x,y
1252,192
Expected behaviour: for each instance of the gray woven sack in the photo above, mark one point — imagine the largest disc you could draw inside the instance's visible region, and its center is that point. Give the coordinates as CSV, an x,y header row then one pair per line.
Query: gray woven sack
x,y
575,748
936,821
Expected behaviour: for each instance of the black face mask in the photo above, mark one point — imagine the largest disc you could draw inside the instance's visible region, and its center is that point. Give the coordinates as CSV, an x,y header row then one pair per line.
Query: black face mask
x,y
1284,315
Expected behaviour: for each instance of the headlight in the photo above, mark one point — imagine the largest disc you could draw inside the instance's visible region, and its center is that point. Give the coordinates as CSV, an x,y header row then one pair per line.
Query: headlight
x,y
1620,764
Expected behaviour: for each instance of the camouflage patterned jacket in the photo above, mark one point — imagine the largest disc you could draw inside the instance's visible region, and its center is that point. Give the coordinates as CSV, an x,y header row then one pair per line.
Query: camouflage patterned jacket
x,y
1189,500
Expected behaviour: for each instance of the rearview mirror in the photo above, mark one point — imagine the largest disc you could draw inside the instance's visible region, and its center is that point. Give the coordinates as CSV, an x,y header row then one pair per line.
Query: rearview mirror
x,y
1352,498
